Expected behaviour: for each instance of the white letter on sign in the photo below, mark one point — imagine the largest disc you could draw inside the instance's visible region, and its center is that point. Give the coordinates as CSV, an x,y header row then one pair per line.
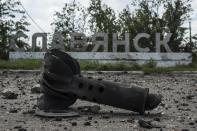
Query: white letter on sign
x,y
164,42
124,42
136,40
103,41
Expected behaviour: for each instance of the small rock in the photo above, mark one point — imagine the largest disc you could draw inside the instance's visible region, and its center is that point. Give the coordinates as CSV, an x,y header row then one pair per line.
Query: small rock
x,y
17,76
58,119
191,123
175,101
170,126
100,72
95,109
145,124
156,124
9,94
111,112
90,109
36,89
87,123
189,97
13,110
18,127
162,104
157,119
185,130
89,118
74,123
106,117
185,104
29,112
22,129
100,79
130,121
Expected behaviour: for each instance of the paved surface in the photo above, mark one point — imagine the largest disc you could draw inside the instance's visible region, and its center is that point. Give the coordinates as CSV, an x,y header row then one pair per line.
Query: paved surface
x,y
177,112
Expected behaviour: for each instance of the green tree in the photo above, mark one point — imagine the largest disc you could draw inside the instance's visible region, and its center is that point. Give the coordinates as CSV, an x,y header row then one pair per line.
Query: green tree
x,y
144,19
12,21
103,19
147,18
72,18
176,13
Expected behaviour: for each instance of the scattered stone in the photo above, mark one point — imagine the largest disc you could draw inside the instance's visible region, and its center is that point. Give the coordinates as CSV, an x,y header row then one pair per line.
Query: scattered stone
x,y
17,76
175,101
111,112
145,124
106,116
185,130
100,72
162,104
89,118
18,127
130,121
58,119
170,126
95,109
74,123
13,110
156,124
189,97
22,129
156,119
100,79
87,123
191,123
36,89
185,104
90,109
9,94
29,112
181,119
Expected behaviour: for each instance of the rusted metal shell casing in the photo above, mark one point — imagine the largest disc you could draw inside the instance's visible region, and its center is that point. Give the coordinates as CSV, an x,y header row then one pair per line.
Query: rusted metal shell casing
x,y
62,81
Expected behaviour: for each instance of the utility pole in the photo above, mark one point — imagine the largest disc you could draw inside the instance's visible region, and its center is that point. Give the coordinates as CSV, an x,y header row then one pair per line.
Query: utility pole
x,y
190,33
1,11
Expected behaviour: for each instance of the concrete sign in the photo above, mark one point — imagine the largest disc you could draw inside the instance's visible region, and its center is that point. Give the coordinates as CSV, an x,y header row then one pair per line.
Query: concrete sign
x,y
78,42
78,45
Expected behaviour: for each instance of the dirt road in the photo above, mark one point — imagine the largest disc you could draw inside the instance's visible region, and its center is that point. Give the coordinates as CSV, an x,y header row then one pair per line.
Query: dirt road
x,y
178,110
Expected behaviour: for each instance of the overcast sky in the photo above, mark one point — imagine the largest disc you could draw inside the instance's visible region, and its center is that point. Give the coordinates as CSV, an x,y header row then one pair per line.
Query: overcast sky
x,y
42,11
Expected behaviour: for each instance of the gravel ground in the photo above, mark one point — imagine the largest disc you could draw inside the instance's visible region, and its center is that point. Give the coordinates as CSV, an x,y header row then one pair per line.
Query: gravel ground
x,y
178,111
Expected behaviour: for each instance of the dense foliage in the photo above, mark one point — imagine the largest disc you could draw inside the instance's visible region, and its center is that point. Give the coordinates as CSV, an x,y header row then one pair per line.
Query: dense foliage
x,y
162,16
12,21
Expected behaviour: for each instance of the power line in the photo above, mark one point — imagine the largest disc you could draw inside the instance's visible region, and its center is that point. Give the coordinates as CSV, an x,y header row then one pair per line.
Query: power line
x,y
38,26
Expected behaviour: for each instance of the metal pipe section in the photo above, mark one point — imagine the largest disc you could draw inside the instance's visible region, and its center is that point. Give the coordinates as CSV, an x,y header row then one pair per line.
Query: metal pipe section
x,y
62,85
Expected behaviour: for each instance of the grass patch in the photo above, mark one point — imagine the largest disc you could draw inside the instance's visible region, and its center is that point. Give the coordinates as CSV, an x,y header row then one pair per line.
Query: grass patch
x,y
148,68
95,66
21,64
191,67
